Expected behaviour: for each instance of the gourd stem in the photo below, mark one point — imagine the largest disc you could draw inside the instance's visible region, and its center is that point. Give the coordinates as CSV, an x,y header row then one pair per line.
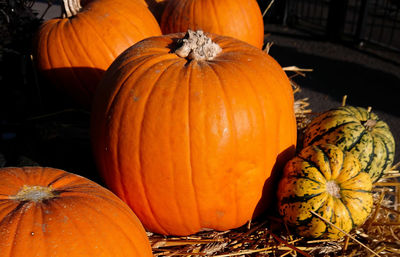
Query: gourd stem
x,y
370,124
71,7
333,188
197,46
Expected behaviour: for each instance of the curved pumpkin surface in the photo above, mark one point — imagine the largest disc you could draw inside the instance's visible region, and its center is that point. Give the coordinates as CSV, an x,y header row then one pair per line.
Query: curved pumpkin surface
x,y
330,182
49,212
74,52
241,19
189,144
359,131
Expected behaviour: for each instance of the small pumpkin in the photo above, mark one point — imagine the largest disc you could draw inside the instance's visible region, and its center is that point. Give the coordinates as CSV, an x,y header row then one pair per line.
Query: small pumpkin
x,y
330,182
74,52
241,19
49,212
359,131
187,130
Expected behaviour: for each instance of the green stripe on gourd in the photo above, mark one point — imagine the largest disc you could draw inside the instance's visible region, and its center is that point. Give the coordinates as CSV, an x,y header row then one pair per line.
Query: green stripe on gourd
x,y
326,180
359,131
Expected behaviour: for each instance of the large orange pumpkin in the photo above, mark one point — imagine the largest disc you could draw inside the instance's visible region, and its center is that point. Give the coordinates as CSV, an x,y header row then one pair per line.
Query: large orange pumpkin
x,y
74,52
49,212
241,19
188,137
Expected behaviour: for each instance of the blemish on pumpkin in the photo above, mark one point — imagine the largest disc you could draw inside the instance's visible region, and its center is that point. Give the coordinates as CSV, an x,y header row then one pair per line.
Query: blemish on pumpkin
x,y
220,214
136,98
44,227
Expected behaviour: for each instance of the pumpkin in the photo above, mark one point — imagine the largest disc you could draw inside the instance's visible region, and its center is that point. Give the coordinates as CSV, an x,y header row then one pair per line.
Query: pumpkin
x,y
241,19
187,130
330,182
74,52
50,212
359,131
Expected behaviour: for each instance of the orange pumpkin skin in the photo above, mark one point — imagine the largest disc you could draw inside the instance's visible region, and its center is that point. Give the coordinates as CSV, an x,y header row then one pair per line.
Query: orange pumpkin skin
x,y
74,52
80,218
241,19
190,144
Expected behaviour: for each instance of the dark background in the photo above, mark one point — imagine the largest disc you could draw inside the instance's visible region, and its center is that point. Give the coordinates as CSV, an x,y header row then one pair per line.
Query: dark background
x,y
353,51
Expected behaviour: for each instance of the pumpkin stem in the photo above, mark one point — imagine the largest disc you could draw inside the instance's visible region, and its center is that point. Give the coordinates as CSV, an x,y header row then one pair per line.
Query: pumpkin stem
x,y
195,45
34,194
333,188
71,7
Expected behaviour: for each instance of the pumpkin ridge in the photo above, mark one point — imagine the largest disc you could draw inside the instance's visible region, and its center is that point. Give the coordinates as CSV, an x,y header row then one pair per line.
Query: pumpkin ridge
x,y
312,164
16,211
302,199
326,159
176,200
328,131
353,225
56,179
305,222
49,32
78,43
140,140
304,177
357,141
232,122
60,25
99,38
90,207
195,195
388,160
245,74
214,16
116,91
348,214
128,20
72,223
371,156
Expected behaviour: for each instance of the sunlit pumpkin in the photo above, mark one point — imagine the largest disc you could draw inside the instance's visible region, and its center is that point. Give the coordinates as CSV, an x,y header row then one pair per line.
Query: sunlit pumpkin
x,y
187,130
330,182
241,19
74,52
48,212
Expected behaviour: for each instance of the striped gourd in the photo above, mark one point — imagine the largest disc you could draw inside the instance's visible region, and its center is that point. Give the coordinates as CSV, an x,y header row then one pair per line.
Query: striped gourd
x,y
359,131
330,182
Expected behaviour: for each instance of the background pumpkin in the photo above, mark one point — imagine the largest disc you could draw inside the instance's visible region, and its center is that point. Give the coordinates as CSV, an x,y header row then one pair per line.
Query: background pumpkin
x,y
74,52
330,182
241,19
359,131
190,144
49,212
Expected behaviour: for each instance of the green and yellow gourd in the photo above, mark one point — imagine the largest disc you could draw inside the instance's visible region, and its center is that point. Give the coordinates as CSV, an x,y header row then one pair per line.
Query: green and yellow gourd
x,y
330,182
359,131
